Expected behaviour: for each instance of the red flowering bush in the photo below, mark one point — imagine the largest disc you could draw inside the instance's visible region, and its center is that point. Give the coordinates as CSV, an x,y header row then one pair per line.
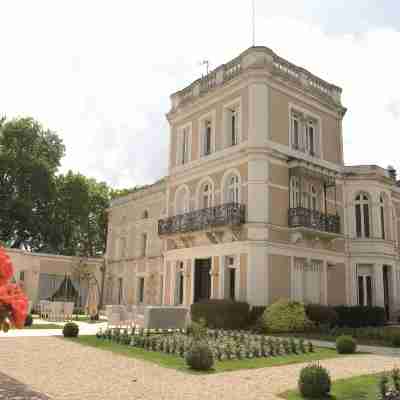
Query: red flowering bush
x,y
13,301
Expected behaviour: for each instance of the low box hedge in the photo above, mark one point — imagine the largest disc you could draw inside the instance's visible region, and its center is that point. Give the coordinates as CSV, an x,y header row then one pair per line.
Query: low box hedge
x,y
221,314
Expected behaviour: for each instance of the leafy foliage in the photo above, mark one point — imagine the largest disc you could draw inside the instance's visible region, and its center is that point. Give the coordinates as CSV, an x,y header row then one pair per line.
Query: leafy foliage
x,y
200,357
221,314
285,316
314,382
70,329
346,345
321,314
360,316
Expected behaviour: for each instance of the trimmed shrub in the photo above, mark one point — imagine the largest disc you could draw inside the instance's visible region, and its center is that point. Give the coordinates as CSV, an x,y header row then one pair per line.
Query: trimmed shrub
x,y
255,314
70,329
321,314
346,345
221,314
314,382
285,316
360,316
198,330
200,357
29,320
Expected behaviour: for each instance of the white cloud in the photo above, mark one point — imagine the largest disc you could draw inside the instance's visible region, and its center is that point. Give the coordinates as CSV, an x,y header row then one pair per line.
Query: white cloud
x,y
100,73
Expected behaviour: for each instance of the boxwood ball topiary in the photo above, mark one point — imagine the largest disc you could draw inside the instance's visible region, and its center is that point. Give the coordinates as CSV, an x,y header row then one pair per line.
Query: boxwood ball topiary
x,y
70,329
200,357
29,320
346,345
314,382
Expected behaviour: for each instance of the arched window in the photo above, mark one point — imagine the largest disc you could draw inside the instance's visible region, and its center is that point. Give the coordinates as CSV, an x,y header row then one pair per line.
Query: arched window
x,y
362,210
233,189
182,201
145,214
294,192
206,196
382,215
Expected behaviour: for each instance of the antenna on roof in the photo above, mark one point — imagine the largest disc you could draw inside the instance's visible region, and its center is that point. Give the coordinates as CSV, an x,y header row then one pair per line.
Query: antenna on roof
x,y
254,22
207,64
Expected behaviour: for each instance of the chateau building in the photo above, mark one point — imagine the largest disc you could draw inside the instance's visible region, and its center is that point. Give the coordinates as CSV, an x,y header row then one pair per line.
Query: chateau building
x,y
258,204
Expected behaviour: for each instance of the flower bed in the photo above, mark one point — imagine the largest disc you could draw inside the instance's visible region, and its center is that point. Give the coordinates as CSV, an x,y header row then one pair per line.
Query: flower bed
x,y
225,345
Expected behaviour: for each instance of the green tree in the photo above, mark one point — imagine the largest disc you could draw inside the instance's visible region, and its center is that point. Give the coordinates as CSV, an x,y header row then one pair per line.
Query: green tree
x,y
79,215
29,158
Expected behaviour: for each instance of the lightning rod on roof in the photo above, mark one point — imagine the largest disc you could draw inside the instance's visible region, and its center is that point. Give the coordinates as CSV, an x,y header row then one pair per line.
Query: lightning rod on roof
x,y
254,22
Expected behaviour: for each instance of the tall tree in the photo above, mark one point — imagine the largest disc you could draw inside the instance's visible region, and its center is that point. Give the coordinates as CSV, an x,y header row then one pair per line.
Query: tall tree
x,y
79,215
29,158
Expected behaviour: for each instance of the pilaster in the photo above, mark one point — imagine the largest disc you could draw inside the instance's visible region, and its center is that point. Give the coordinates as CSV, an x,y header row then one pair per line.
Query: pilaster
x,y
378,285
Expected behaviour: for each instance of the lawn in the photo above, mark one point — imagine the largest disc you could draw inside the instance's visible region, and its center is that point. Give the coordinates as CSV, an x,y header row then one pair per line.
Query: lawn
x,y
175,362
43,326
363,387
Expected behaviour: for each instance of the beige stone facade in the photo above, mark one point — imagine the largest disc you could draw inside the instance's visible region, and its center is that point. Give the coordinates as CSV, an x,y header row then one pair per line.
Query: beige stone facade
x,y
258,204
41,274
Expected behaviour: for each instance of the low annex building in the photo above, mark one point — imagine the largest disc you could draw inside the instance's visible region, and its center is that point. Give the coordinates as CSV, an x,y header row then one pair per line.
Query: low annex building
x,y
258,204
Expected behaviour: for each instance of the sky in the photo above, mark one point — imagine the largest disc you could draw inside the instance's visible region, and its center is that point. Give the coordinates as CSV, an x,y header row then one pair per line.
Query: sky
x,y
100,73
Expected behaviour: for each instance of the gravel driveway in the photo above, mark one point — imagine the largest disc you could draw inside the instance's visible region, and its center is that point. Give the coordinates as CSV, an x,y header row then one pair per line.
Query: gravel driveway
x,y
65,370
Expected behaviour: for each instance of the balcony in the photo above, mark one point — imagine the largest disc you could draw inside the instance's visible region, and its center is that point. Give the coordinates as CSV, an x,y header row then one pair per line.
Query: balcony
x,y
231,214
311,219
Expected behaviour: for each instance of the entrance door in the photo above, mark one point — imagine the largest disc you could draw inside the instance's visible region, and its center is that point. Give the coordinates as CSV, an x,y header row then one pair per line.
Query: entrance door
x,y
386,290
202,279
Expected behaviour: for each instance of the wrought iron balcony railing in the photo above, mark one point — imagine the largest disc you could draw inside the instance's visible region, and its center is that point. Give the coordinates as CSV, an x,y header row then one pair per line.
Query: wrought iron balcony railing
x,y
225,214
303,217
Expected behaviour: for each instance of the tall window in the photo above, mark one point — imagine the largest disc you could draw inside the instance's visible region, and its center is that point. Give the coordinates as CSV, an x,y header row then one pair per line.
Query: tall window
x,y
362,215
382,215
144,244
234,127
185,146
206,196
180,284
141,290
233,189
364,283
295,122
22,275
145,214
294,192
231,278
120,289
304,132
311,137
207,137
182,201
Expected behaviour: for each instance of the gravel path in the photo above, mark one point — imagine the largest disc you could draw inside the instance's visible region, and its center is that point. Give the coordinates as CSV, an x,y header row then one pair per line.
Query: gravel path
x,y
65,370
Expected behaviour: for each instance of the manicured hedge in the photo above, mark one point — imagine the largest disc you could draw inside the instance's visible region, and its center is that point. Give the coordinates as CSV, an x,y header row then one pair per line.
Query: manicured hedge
x,y
360,316
221,314
321,314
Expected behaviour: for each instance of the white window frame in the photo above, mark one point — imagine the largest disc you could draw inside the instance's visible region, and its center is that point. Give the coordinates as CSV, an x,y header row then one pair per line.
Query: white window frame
x,y
235,105
305,116
361,203
234,265
199,192
211,117
187,128
226,183
186,205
